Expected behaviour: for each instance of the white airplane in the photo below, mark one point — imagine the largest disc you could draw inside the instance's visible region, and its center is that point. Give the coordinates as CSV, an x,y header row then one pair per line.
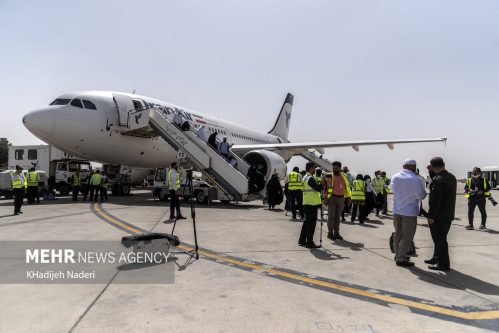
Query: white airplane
x,y
94,125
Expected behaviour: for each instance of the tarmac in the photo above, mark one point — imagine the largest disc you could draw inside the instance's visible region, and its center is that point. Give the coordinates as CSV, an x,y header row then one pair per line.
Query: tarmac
x,y
252,275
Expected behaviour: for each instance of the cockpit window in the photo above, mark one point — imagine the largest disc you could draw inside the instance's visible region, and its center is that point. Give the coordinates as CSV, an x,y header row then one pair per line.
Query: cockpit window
x,y
89,105
77,103
60,101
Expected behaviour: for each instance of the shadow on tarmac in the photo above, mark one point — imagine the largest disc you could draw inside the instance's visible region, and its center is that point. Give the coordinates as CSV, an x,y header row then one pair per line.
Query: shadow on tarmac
x,y
456,280
325,254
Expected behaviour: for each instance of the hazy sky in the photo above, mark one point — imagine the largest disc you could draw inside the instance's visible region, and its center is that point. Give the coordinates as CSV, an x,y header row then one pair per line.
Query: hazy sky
x,y
358,69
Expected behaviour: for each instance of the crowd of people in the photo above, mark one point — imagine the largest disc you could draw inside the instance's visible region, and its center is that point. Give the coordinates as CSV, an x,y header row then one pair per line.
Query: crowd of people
x,y
26,184
341,193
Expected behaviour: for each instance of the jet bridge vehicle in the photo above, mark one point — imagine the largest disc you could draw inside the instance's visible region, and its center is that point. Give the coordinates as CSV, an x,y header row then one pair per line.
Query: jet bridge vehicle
x,y
240,181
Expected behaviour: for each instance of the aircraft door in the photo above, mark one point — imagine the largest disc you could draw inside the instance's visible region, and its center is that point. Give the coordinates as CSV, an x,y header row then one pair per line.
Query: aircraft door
x,y
125,105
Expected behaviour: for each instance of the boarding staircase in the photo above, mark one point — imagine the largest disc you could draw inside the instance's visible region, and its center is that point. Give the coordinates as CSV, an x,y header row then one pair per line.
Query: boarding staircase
x,y
323,163
233,181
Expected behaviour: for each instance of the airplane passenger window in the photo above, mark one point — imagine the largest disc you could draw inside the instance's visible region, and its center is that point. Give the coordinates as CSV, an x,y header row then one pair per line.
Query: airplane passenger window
x,y
19,154
77,103
89,105
60,101
32,154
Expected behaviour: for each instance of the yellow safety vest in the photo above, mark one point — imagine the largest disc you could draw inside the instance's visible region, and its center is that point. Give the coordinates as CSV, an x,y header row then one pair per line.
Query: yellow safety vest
x,y
378,185
96,179
17,182
105,183
33,178
294,181
486,194
358,190
310,196
76,180
348,191
170,183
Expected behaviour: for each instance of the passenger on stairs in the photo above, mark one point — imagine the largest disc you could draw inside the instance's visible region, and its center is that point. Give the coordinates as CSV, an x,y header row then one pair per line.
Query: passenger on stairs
x,y
223,148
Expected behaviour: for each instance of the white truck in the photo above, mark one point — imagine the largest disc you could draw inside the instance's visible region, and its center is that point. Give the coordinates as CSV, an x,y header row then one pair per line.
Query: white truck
x,y
59,166
203,192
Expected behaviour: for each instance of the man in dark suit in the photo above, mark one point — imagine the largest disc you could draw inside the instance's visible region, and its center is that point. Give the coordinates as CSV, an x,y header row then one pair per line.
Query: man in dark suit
x,y
441,213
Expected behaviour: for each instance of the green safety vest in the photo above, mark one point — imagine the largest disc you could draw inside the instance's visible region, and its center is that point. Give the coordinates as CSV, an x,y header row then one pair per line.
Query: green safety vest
x,y
33,178
294,181
378,185
170,183
310,196
358,190
76,180
105,183
17,181
348,192
96,179
319,179
486,194
387,189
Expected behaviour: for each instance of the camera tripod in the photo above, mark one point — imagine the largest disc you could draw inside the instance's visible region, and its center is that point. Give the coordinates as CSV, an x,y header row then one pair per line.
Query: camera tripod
x,y
188,184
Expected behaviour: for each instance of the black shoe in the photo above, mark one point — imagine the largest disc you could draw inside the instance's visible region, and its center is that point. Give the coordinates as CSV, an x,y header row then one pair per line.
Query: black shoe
x,y
338,237
482,227
437,267
331,236
343,220
469,227
20,212
172,217
431,261
302,243
181,218
366,219
312,246
405,263
361,222
16,213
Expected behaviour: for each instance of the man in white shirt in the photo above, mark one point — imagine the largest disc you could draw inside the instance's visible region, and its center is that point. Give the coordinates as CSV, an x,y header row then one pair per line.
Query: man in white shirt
x,y
224,147
201,133
408,192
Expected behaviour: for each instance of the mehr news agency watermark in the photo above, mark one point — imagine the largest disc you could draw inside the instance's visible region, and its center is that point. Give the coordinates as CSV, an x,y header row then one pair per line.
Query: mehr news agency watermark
x,y
86,262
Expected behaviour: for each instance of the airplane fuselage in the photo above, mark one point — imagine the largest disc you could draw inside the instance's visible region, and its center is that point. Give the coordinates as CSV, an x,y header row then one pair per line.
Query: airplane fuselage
x,y
96,134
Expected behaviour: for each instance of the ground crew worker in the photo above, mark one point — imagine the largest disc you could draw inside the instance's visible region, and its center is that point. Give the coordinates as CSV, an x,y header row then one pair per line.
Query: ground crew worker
x,y
348,205
311,201
32,190
103,187
173,186
88,187
358,198
379,186
19,184
95,183
76,185
337,194
294,181
477,190
386,190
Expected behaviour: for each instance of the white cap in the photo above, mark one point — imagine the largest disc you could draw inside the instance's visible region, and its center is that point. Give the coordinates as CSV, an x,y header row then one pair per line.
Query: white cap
x,y
410,161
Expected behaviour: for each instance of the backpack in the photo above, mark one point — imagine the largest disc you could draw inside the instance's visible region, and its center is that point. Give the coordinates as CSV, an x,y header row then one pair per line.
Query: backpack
x,y
412,250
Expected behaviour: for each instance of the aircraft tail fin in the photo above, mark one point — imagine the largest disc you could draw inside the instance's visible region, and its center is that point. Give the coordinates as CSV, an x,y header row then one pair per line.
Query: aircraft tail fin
x,y
281,126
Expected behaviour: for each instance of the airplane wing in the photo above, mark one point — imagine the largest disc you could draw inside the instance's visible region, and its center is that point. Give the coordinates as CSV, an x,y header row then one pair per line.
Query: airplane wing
x,y
319,146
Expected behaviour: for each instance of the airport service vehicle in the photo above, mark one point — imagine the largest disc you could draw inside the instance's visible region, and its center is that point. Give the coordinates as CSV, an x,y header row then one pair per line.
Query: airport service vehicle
x,y
204,193
6,183
491,173
59,165
139,131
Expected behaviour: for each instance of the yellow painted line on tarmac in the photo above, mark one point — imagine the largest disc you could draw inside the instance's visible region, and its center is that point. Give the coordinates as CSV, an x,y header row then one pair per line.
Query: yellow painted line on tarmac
x,y
479,315
110,219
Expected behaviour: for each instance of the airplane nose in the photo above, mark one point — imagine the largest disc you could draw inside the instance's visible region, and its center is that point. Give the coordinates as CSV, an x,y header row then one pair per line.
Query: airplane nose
x,y
40,122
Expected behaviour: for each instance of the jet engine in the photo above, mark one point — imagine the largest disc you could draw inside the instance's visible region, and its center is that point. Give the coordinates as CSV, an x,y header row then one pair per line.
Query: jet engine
x,y
267,163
